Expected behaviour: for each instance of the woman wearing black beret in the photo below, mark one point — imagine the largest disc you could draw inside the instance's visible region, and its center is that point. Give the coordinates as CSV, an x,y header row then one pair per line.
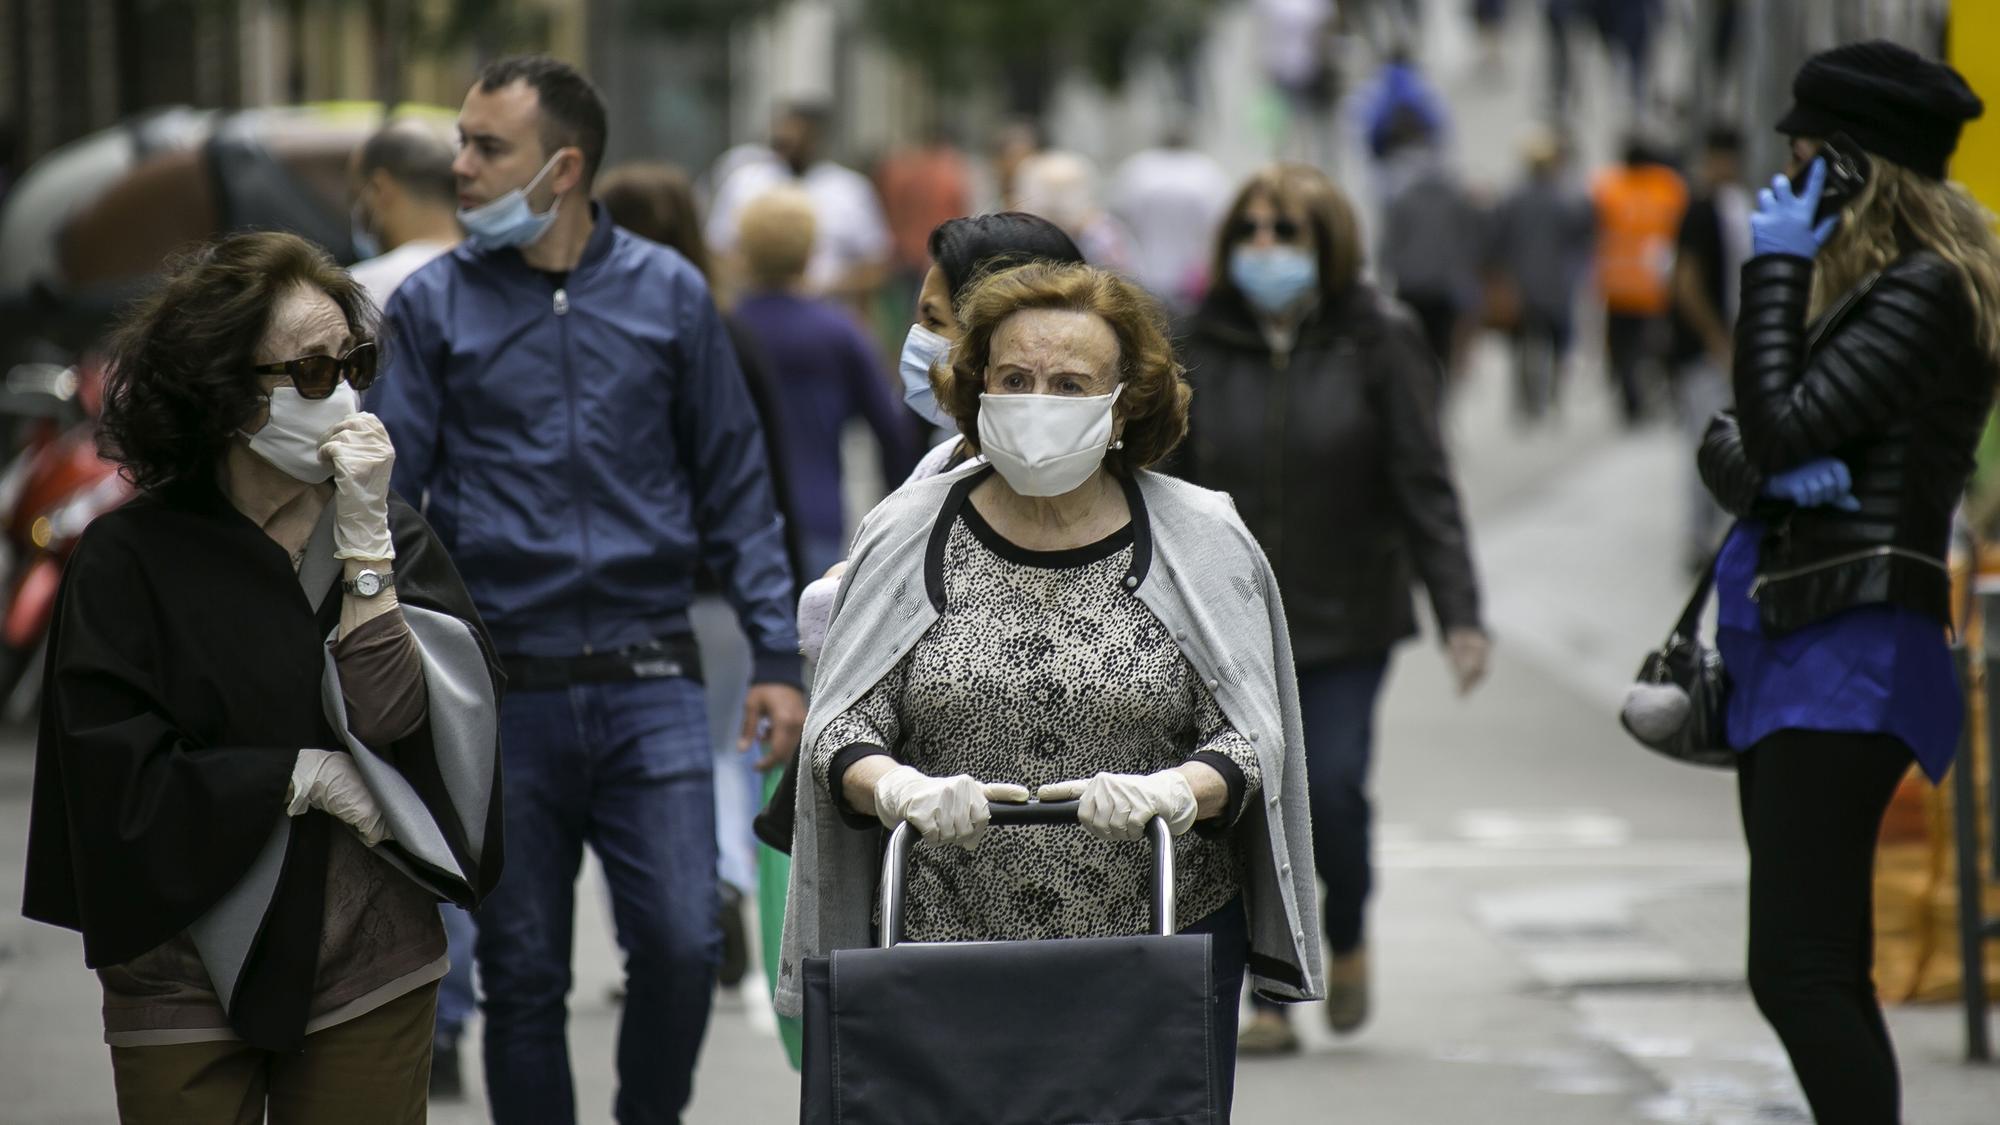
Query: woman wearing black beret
x,y
1866,351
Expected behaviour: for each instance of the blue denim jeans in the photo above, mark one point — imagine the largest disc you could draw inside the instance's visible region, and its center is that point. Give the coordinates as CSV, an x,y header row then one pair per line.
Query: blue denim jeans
x,y
625,768
1337,706
456,997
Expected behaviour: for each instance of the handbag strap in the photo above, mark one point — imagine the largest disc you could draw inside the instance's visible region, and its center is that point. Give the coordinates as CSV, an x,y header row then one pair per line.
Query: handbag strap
x,y
1690,621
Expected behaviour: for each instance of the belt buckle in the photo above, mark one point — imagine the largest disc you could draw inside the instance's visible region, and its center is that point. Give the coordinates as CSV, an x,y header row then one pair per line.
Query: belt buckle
x,y
655,669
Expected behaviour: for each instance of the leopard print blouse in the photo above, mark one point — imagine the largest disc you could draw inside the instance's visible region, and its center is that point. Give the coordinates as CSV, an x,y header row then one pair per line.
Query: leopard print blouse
x,y
1043,667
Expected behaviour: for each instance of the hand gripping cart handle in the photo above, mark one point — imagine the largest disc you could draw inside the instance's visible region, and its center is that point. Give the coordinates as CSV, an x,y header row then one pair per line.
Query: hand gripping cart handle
x,y
896,862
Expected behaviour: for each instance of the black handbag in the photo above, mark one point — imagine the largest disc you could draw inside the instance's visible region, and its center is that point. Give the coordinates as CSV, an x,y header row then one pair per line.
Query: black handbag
x,y
1119,1030
1678,705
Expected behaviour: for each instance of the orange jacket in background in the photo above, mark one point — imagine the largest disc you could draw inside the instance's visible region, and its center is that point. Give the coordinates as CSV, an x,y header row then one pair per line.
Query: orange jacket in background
x,y
1639,209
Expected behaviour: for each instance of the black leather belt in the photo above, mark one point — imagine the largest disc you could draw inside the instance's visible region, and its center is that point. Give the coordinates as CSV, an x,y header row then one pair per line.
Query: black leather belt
x,y
655,660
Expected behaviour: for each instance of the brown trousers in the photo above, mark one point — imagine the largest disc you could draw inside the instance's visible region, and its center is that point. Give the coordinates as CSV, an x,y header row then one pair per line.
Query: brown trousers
x,y
374,1069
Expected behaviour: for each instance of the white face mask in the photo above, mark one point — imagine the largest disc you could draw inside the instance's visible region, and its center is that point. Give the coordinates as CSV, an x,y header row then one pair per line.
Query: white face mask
x,y
1045,445
922,349
292,436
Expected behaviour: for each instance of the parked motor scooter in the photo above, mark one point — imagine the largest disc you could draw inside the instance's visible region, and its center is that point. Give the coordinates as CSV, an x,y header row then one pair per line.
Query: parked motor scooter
x,y
49,493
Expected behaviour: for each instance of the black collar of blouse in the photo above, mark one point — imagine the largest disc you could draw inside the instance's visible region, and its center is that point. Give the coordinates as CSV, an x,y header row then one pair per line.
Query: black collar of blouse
x,y
954,502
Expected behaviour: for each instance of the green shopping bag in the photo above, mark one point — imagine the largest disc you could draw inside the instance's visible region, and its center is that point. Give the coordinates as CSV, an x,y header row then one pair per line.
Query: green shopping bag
x,y
774,875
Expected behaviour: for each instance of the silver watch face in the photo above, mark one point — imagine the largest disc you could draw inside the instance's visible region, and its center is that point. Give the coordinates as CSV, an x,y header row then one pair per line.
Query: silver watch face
x,y
368,583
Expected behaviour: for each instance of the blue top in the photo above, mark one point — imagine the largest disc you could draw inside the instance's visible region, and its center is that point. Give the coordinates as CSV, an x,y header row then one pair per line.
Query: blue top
x,y
1873,669
825,373
584,442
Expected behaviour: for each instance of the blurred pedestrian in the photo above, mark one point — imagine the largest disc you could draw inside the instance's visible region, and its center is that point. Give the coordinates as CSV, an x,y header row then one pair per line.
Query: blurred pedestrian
x,y
405,204
1062,188
921,186
1538,256
1069,646
406,215
1400,106
1714,243
1432,237
1014,142
656,202
263,918
823,367
1639,203
851,252
566,392
1170,197
1866,353
1304,374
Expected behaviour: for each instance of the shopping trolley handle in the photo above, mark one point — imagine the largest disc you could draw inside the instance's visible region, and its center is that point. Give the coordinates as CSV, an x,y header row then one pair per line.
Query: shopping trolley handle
x,y
896,861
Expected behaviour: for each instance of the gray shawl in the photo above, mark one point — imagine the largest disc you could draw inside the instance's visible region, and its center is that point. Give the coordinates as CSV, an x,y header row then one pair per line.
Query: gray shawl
x,y
1208,583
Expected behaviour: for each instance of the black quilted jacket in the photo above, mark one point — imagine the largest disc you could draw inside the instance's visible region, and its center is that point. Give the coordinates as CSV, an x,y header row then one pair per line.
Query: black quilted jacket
x,y
1890,380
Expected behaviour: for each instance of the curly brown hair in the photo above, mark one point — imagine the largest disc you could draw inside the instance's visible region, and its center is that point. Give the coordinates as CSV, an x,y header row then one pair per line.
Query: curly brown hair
x,y
1154,404
180,384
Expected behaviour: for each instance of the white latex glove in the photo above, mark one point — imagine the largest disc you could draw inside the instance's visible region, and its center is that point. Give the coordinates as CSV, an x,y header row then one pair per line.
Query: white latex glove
x,y
1467,650
329,780
358,448
1119,806
945,810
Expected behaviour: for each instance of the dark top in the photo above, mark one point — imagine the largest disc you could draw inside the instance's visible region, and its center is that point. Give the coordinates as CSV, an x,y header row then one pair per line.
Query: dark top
x,y
1333,455
1891,380
585,450
1700,242
826,374
183,678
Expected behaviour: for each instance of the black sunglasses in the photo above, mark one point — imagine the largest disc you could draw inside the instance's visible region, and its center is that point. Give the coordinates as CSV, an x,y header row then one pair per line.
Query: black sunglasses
x,y
316,376
1284,230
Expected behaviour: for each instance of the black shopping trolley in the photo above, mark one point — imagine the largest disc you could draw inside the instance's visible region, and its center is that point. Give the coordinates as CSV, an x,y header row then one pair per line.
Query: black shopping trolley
x,y
1099,1030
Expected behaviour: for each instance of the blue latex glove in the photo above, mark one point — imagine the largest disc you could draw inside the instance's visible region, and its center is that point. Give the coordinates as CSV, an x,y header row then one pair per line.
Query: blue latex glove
x,y
1816,484
1783,223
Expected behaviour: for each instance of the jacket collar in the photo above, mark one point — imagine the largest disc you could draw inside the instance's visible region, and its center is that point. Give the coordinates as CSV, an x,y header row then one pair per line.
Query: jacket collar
x,y
1226,319
956,499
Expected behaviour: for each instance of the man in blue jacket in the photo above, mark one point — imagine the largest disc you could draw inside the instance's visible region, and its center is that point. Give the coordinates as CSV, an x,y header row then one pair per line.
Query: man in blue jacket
x,y
564,396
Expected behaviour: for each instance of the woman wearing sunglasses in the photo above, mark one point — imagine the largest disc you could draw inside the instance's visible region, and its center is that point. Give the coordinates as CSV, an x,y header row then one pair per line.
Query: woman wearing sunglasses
x,y
267,746
1315,408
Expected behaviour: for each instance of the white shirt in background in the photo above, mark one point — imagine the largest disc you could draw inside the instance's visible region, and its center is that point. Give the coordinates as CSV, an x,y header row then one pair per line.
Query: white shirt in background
x,y
851,229
1170,200
381,275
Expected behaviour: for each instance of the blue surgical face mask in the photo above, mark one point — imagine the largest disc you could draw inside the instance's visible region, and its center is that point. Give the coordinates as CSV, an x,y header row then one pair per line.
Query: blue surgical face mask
x,y
922,349
1274,279
366,245
508,220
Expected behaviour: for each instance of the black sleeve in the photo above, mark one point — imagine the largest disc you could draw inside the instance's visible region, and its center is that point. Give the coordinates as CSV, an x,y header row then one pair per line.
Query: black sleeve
x,y
1420,472
1881,356
1725,472
1232,808
836,775
137,828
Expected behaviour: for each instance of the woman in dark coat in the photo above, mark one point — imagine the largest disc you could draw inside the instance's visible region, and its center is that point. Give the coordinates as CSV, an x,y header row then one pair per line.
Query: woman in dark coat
x,y
1316,409
1866,350
267,746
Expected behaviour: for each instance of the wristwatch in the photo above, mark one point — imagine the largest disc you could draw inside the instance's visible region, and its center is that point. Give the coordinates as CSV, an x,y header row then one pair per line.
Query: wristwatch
x,y
369,583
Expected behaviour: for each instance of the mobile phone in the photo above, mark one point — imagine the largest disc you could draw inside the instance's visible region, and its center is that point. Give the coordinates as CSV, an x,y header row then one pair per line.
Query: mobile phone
x,y
1847,171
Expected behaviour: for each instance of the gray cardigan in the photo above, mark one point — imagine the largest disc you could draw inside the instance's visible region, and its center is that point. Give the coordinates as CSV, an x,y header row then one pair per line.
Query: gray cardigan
x,y
1197,568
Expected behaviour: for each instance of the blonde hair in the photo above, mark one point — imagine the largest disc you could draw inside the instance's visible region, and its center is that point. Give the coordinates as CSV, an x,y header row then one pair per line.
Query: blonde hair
x,y
1942,217
775,236
1154,404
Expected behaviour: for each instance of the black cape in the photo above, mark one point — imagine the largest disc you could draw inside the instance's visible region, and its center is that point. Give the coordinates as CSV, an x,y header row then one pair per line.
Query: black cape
x,y
185,672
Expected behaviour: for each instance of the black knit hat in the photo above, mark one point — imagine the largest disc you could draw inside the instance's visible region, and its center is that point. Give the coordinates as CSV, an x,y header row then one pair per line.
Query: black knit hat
x,y
1888,99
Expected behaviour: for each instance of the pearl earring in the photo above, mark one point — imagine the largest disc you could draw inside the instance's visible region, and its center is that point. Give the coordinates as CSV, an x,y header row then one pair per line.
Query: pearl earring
x,y
1119,444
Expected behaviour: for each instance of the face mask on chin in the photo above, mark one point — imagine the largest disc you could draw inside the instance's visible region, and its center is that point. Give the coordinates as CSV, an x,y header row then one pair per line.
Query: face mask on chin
x,y
508,220
297,426
1046,445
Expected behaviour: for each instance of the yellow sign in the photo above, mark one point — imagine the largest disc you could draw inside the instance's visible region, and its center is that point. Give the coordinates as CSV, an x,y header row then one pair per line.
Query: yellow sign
x,y
1975,50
